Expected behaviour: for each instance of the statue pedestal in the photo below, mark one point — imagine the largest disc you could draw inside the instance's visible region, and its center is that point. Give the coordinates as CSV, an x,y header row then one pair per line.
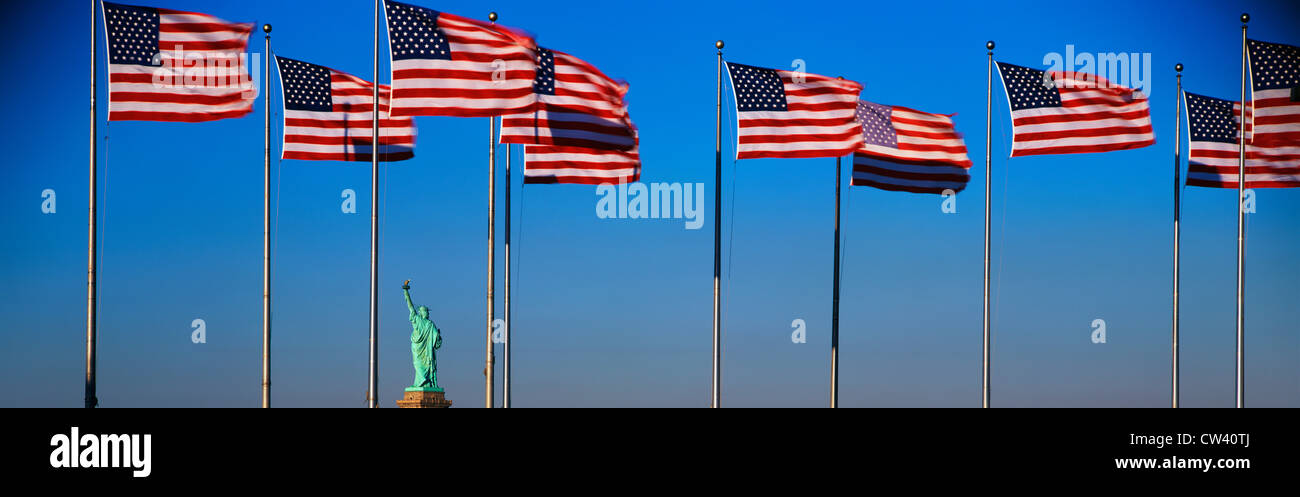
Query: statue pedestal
x,y
424,398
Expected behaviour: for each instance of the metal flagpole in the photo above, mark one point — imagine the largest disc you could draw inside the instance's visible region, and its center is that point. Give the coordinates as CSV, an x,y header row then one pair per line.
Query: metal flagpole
x,y
491,262
266,225
491,281
988,179
91,399
835,300
1241,228
717,243
374,224
505,367
1178,187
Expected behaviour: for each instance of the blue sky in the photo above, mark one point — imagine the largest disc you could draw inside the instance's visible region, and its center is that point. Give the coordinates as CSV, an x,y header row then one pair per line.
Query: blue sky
x,y
617,312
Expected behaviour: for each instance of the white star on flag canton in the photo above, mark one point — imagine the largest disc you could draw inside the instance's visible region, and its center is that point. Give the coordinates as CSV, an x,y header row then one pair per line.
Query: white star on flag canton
x,y
578,106
1275,93
788,114
448,65
170,65
1071,113
909,150
328,116
1214,151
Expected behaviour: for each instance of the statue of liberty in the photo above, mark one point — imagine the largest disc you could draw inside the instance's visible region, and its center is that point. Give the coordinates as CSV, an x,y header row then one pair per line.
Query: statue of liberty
x,y
425,342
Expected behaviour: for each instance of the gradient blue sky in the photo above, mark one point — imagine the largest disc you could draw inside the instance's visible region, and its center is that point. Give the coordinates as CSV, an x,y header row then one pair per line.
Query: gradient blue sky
x,y
617,312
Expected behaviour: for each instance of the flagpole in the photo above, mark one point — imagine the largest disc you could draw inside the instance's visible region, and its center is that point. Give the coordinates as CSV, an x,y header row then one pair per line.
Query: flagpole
x,y
988,179
505,367
491,262
1241,228
266,224
717,242
835,299
491,279
1178,137
90,399
373,397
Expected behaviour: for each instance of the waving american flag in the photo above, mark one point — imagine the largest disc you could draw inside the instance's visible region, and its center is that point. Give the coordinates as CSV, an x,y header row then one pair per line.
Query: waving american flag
x,y
577,106
788,114
1275,93
909,150
580,132
448,65
1070,113
169,65
328,116
1212,160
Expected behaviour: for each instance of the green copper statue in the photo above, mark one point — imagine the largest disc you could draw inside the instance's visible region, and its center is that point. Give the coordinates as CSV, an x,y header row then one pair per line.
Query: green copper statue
x,y
425,342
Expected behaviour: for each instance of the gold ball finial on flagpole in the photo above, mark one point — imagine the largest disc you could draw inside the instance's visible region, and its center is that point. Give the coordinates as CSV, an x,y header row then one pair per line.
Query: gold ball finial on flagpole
x,y
719,44
1178,67
1245,18
266,28
990,45
492,16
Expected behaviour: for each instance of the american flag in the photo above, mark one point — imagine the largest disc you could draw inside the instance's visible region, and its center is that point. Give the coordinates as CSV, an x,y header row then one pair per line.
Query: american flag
x,y
1275,93
1073,113
169,65
327,116
579,165
909,150
787,114
447,65
578,106
1212,160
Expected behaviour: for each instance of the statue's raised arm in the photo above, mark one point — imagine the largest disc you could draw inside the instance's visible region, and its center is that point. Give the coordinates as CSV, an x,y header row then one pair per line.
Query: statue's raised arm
x,y
406,291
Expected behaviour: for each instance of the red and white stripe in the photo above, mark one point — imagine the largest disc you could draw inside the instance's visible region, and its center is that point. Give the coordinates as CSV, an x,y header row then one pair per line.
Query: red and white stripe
x,y
576,165
1216,164
1094,116
818,120
490,74
930,158
174,91
587,110
344,133
1277,118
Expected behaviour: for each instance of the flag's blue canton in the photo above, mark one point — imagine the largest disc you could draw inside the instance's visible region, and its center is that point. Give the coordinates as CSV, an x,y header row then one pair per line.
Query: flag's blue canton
x,y
1029,88
1275,66
1210,119
414,34
306,86
132,34
877,124
544,81
757,88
